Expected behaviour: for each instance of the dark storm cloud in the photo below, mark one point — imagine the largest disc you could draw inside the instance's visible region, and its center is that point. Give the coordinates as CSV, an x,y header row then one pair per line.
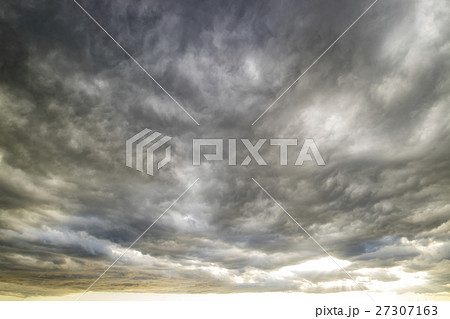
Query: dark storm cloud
x,y
376,105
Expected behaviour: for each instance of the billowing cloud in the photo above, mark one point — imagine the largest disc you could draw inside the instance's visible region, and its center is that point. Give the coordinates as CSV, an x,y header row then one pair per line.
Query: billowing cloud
x,y
376,105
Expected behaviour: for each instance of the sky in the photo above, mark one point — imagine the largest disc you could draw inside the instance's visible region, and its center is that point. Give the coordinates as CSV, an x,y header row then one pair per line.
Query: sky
x,y
376,105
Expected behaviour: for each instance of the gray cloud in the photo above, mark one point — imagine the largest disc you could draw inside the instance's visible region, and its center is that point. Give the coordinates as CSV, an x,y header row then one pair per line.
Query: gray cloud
x,y
376,105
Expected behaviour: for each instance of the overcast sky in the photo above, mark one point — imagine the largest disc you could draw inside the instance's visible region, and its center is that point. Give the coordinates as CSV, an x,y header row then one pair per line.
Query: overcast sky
x,y
376,105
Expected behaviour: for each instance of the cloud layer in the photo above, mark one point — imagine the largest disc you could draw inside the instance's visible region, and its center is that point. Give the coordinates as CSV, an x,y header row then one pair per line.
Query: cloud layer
x,y
376,105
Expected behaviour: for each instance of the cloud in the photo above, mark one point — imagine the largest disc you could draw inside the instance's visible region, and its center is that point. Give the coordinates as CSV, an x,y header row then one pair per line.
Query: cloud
x,y
375,104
